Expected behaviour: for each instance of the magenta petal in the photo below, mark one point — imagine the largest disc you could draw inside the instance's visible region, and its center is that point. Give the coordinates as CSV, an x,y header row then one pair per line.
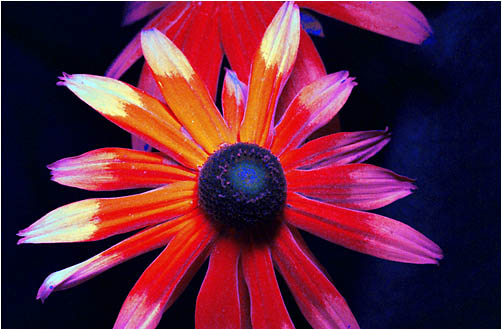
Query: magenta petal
x,y
136,10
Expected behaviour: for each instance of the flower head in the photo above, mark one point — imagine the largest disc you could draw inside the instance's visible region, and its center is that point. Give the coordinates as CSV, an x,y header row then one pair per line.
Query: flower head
x,y
234,187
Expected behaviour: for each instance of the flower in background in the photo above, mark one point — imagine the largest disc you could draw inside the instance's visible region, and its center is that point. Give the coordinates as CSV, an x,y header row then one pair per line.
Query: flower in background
x,y
205,31
237,192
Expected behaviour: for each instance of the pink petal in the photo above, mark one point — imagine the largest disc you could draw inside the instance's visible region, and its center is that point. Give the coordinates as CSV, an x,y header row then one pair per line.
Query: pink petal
x,y
320,302
355,186
396,19
368,233
312,108
136,10
335,149
159,285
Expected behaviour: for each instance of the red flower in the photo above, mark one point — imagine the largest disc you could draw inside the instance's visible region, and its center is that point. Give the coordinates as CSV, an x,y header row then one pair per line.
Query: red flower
x,y
236,192
204,31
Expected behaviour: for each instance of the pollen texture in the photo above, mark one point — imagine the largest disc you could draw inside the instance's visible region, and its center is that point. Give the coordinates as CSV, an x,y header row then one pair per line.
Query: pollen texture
x,y
242,185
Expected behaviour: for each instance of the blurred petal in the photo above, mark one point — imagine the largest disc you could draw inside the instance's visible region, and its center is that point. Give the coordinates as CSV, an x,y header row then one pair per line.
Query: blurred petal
x,y
320,302
272,65
98,218
355,186
136,10
116,168
140,243
184,91
218,302
312,108
137,113
171,18
368,233
335,149
396,19
267,307
310,24
153,292
233,101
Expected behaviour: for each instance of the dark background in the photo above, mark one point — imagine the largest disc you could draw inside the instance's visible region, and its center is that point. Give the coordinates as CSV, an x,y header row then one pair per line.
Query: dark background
x,y
441,101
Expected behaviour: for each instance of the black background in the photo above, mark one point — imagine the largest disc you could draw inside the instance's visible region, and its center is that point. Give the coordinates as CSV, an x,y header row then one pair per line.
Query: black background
x,y
441,100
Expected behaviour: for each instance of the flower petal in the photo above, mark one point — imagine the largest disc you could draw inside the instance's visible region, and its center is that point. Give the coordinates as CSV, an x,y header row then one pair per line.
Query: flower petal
x,y
233,101
147,240
218,304
136,10
153,292
320,302
311,24
172,18
355,186
312,108
137,113
116,168
98,218
335,149
272,65
184,91
368,233
267,306
396,19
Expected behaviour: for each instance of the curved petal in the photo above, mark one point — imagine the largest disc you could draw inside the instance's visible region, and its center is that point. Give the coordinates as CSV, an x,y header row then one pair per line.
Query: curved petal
x,y
355,186
233,101
116,168
136,10
172,18
396,19
321,304
272,65
368,233
138,244
311,24
267,306
138,113
312,108
218,302
98,218
335,149
153,292
185,93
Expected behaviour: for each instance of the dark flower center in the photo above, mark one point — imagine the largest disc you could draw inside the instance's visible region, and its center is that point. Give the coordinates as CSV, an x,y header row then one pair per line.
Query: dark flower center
x,y
242,185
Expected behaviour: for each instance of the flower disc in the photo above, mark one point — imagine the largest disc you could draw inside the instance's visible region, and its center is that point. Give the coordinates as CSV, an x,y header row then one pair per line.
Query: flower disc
x,y
242,185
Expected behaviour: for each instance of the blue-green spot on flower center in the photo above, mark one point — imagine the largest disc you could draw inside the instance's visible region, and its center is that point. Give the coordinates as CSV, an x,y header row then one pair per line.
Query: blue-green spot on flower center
x,y
242,185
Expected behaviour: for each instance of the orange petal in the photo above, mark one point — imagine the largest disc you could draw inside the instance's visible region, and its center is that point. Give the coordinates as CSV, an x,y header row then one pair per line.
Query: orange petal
x,y
116,168
233,101
138,113
272,65
98,218
184,92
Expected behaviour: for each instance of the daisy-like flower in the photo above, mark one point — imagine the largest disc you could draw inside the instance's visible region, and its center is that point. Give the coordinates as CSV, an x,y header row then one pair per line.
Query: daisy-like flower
x,y
234,187
205,31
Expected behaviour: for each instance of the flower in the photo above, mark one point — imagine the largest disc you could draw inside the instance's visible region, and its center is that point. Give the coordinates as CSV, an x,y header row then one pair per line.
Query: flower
x,y
205,31
235,187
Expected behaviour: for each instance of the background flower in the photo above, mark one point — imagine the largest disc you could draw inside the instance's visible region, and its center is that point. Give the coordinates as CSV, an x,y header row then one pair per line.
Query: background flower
x,y
441,100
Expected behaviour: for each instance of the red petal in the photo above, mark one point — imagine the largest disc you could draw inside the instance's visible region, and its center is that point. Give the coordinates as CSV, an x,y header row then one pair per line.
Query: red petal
x,y
94,219
184,92
233,101
136,10
320,302
116,168
339,149
267,306
368,233
355,186
154,291
137,113
272,65
312,108
142,242
218,302
396,19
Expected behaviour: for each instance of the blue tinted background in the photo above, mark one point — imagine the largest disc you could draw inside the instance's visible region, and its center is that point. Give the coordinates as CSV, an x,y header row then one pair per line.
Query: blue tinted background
x,y
441,101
